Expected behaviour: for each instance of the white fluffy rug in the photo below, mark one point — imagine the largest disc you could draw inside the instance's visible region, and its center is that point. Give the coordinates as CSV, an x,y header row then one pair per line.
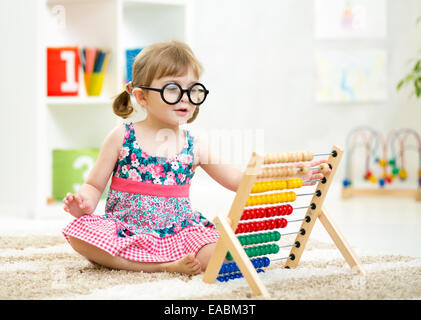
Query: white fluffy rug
x,y
45,267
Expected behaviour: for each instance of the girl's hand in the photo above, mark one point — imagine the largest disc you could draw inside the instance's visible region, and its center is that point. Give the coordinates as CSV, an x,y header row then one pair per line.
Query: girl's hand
x,y
77,205
314,174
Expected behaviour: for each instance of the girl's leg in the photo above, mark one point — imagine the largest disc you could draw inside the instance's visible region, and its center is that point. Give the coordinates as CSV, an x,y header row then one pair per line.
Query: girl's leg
x,y
204,255
188,264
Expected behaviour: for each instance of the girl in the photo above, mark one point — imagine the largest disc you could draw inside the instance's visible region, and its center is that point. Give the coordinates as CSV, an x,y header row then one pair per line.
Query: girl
x,y
149,224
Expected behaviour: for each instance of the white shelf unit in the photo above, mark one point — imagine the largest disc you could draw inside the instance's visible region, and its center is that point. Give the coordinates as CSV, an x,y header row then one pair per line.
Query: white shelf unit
x,y
83,121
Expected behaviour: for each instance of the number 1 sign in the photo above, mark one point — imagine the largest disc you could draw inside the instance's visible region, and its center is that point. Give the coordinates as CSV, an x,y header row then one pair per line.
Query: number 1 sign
x,y
63,71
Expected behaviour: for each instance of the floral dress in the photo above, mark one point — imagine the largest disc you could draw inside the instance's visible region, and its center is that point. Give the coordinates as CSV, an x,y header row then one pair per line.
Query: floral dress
x,y
148,215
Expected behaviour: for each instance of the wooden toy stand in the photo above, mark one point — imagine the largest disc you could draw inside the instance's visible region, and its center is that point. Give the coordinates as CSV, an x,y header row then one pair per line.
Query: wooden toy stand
x,y
350,192
227,226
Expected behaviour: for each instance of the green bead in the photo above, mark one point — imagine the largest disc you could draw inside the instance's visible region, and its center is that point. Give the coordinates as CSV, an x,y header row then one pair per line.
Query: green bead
x,y
392,162
275,248
249,252
254,251
265,250
259,238
228,256
277,236
395,170
252,239
266,237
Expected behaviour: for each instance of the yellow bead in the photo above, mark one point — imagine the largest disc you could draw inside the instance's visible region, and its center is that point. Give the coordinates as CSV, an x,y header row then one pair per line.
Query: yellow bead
x,y
293,196
382,162
284,185
403,174
372,179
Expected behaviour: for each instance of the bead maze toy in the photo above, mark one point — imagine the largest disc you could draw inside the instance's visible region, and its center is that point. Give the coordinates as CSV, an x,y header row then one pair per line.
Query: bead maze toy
x,y
390,165
251,228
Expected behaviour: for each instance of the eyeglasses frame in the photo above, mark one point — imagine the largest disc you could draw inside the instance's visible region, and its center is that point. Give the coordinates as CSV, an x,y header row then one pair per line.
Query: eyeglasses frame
x,y
161,91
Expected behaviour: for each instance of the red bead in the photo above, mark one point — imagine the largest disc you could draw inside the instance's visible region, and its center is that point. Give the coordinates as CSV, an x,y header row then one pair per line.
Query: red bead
x,y
249,213
244,215
278,223
269,212
281,210
273,224
262,225
289,209
261,213
266,212
275,211
284,223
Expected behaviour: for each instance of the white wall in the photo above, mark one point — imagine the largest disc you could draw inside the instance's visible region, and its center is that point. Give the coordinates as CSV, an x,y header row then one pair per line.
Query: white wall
x,y
19,92
259,62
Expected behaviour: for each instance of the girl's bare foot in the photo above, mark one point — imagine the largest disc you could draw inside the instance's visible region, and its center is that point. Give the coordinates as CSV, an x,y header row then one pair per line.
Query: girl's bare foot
x,y
188,265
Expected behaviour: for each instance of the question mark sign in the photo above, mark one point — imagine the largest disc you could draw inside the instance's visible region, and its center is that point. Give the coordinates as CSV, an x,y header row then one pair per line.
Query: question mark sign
x,y
79,163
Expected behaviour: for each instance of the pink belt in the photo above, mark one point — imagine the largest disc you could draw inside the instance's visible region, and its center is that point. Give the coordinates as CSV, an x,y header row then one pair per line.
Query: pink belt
x,y
152,189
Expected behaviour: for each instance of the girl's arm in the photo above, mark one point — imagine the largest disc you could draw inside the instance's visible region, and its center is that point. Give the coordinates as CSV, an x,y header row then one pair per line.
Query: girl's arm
x,y
86,200
230,176
227,175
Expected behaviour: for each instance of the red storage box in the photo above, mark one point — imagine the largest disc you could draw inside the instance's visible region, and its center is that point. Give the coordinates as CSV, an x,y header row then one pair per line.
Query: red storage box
x,y
63,71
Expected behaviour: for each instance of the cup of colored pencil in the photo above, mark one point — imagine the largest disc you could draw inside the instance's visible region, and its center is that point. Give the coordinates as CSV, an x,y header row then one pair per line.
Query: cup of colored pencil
x,y
94,64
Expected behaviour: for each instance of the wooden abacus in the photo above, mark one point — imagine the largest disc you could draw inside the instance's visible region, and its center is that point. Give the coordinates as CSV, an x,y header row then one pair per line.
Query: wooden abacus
x,y
257,181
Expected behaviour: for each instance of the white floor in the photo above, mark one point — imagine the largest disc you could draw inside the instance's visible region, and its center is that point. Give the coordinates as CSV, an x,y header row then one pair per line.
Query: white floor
x,y
382,225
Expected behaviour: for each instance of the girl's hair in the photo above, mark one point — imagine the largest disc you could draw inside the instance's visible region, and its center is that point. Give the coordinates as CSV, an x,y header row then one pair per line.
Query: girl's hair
x,y
159,60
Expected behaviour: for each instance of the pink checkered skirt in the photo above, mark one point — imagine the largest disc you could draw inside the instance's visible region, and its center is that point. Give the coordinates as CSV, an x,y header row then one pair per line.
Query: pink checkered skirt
x,y
102,232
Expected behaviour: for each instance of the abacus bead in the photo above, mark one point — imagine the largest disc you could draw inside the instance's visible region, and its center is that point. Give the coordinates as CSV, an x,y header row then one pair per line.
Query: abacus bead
x,y
266,261
273,224
308,156
228,256
305,170
289,209
275,248
269,212
324,168
293,196
266,237
277,236
284,222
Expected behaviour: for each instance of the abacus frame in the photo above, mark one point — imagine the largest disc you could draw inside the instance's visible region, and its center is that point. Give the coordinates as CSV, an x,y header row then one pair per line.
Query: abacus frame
x,y
229,241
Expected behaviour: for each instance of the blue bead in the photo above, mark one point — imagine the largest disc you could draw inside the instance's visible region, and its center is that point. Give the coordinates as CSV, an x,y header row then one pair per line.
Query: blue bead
x,y
346,182
226,278
238,275
260,270
232,276
266,261
381,182
220,279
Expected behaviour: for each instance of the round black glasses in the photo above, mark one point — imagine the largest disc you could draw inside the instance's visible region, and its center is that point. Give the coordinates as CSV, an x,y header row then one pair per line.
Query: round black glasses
x,y
172,92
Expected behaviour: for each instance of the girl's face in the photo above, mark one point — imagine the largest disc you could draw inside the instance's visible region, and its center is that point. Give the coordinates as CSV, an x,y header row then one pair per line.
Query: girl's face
x,y
169,114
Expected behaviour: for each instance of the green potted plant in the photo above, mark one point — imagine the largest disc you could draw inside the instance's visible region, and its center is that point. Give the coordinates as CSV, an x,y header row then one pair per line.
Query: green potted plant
x,y
414,75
